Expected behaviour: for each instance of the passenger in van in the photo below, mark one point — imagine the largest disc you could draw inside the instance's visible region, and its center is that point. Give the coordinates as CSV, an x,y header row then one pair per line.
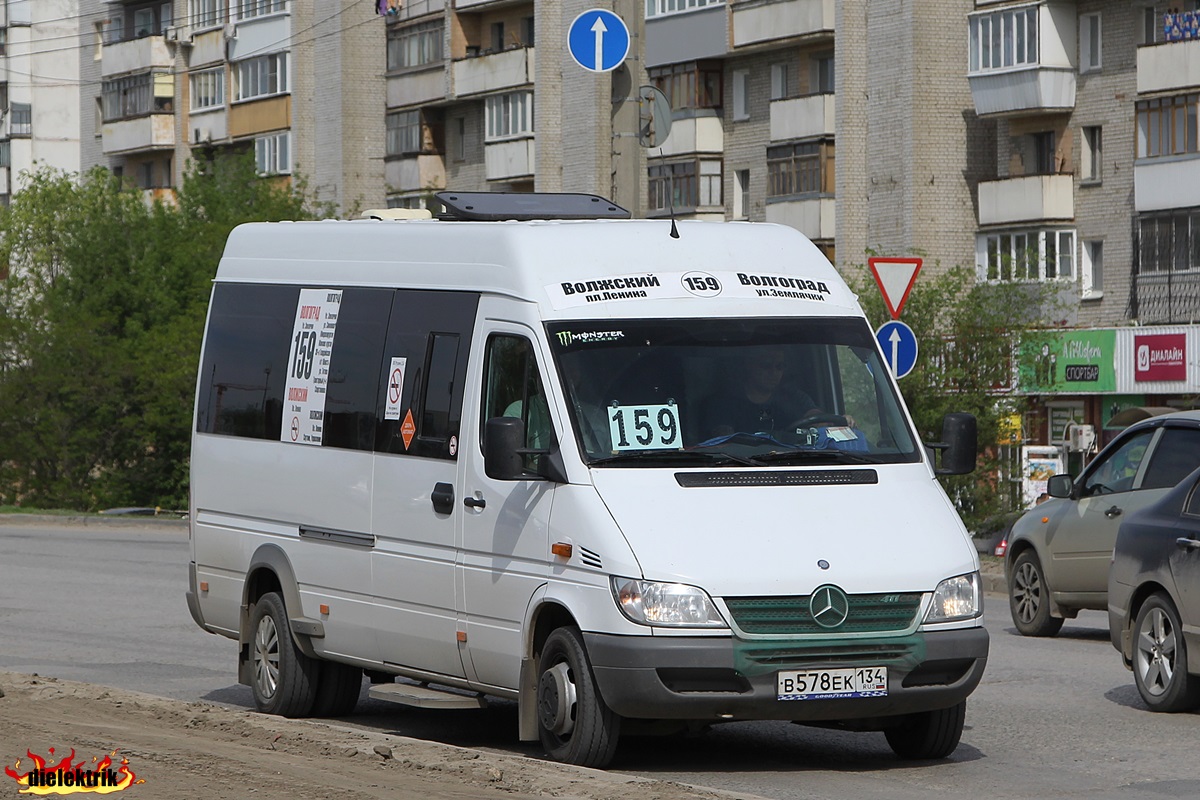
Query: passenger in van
x,y
760,403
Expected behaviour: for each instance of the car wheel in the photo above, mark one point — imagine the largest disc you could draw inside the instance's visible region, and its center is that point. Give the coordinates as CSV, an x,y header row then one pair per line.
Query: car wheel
x,y
285,679
929,734
1160,658
574,724
1029,598
337,690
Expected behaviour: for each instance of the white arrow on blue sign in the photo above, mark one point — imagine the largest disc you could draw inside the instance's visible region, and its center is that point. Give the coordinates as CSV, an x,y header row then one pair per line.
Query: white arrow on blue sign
x,y
899,346
598,40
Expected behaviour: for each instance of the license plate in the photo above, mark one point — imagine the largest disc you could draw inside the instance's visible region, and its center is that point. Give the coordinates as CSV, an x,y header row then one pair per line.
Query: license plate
x,y
827,684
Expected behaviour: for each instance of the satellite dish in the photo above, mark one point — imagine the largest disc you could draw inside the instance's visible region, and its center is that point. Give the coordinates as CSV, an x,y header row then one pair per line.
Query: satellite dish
x,y
654,116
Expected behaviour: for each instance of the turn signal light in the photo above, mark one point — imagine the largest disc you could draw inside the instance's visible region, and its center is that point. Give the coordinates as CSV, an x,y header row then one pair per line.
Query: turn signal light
x,y
324,608
204,586
561,549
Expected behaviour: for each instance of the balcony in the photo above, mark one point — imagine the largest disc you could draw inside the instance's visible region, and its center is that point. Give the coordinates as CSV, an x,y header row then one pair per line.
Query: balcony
x,y
760,21
415,173
1013,84
419,8
416,86
802,117
1163,183
494,72
697,34
153,132
510,159
136,55
1030,198
700,134
815,217
206,127
1168,66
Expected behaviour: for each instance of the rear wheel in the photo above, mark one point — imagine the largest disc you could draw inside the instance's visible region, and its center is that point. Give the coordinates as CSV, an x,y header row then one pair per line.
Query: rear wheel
x,y
574,724
1160,658
337,690
1029,598
285,679
929,734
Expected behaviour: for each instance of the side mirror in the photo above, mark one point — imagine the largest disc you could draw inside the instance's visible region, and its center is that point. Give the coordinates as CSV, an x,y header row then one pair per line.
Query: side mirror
x,y
1060,486
958,445
503,438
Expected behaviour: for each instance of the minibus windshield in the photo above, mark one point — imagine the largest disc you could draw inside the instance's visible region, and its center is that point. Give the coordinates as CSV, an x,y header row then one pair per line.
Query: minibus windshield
x,y
721,392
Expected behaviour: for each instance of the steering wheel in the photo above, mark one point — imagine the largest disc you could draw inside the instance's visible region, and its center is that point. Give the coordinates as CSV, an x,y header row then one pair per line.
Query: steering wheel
x,y
816,420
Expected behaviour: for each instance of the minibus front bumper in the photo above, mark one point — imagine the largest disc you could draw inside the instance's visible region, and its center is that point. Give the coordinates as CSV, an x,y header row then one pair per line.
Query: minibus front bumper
x,y
720,679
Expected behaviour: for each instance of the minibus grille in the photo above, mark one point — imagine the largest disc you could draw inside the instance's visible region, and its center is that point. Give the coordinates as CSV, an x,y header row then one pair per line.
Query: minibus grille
x,y
777,655
868,613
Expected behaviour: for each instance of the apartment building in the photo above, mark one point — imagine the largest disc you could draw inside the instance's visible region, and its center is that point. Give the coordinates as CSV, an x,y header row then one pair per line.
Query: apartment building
x,y
299,82
39,89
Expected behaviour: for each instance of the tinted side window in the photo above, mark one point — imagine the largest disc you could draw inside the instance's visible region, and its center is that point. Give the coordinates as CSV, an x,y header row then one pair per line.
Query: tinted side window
x,y
352,391
1117,471
513,388
1176,454
1192,506
245,362
431,332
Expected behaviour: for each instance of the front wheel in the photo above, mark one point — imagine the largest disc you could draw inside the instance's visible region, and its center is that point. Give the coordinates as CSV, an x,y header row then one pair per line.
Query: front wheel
x,y
285,680
1029,598
929,734
574,724
1160,658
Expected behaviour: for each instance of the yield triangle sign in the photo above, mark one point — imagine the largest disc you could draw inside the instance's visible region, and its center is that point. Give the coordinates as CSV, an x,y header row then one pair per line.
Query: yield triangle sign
x,y
895,277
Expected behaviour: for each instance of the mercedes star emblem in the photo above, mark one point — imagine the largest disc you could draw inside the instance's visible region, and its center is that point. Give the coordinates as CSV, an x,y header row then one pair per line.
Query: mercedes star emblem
x,y
829,606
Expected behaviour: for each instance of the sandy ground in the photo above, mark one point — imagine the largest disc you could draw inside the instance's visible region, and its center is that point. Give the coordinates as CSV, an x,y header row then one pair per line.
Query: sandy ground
x,y
195,750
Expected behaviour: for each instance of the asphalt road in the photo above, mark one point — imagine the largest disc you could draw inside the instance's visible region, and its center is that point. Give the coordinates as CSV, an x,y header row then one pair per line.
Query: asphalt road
x,y
1053,717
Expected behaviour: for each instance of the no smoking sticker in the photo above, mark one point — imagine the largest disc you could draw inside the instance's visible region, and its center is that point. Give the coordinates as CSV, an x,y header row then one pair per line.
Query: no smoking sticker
x,y
395,389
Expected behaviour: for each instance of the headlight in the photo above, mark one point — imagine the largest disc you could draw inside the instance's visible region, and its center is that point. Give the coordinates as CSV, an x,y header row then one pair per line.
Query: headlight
x,y
955,599
668,604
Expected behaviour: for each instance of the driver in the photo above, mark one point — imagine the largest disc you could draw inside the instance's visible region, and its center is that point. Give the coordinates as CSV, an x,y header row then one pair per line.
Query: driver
x,y
759,404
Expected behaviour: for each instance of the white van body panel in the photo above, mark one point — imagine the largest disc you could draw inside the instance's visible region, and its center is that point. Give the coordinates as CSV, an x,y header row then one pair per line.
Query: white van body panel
x,y
768,540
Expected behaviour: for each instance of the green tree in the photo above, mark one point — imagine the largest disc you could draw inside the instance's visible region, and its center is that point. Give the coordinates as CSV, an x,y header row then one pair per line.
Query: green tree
x,y
101,317
966,332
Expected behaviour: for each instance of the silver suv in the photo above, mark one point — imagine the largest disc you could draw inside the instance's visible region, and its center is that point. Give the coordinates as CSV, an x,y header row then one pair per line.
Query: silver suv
x,y
1059,552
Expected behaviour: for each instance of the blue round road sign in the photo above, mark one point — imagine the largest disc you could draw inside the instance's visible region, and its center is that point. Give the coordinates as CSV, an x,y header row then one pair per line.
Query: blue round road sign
x,y
598,40
899,346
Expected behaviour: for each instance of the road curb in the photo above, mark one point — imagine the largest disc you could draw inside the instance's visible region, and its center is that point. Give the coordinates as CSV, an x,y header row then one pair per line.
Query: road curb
x,y
86,520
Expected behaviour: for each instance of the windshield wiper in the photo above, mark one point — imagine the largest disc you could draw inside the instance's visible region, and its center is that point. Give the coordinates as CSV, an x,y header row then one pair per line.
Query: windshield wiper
x,y
829,455
649,457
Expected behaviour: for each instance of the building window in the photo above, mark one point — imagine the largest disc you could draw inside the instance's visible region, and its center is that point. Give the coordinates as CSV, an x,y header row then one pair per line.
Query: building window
x,y
246,9
528,31
143,22
509,115
656,8
138,95
741,94
1089,42
1029,255
5,153
1167,126
1150,31
686,185
206,13
821,80
741,194
262,76
1092,162
20,120
403,133
689,85
208,89
460,140
1043,153
779,81
1091,269
1169,242
414,45
497,37
273,154
4,41
803,168
1003,39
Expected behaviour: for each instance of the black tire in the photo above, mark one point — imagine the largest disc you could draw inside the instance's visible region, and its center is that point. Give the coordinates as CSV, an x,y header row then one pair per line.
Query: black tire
x,y
574,724
337,690
929,734
285,680
1160,658
1029,598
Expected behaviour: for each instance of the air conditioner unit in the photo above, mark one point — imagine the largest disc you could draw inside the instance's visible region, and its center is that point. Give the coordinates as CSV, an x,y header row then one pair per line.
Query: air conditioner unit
x,y
1081,438
201,136
230,30
171,34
